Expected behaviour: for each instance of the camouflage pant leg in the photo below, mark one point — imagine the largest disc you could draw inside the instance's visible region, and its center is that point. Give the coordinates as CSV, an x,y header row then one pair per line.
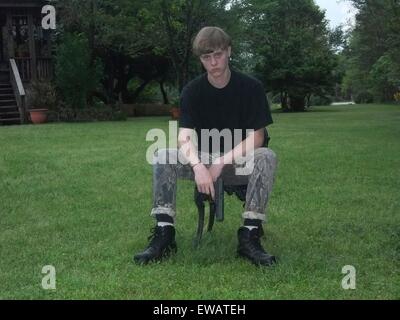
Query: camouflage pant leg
x,y
260,184
166,170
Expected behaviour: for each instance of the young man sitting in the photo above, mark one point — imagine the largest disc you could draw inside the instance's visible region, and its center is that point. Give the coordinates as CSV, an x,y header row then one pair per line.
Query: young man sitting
x,y
221,100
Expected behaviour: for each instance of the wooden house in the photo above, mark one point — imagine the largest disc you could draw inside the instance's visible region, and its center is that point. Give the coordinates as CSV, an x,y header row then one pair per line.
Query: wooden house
x,y
25,55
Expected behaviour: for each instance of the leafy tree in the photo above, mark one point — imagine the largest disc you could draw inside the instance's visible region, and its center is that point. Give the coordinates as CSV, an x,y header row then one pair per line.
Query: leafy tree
x,y
290,41
374,50
131,34
76,76
179,22
121,33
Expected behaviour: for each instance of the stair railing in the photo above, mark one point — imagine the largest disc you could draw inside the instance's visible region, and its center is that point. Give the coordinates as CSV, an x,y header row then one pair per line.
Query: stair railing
x,y
18,89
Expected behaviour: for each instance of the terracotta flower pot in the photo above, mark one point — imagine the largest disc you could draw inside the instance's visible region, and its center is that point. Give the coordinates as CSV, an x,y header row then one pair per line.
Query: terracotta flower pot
x,y
38,115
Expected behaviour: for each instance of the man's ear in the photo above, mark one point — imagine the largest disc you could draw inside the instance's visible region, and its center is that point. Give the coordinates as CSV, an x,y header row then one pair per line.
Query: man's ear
x,y
229,51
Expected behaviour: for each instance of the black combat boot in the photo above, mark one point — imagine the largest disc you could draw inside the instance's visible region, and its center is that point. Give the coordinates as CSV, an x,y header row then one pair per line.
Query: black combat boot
x,y
162,243
250,247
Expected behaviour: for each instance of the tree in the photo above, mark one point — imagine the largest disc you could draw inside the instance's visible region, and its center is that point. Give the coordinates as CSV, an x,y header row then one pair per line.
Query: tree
x,y
120,33
180,20
374,50
123,32
290,41
76,76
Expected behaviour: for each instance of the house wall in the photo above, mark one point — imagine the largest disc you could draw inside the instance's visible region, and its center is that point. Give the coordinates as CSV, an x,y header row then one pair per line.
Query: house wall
x,y
23,38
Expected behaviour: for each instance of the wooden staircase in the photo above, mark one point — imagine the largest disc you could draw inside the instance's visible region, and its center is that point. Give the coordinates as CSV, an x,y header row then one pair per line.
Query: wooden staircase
x,y
9,112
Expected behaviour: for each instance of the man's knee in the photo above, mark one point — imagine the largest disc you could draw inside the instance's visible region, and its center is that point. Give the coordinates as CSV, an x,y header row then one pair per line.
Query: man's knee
x,y
266,155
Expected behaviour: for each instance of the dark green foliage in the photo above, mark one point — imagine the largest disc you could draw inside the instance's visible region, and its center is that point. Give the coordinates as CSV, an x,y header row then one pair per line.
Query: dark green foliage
x,y
76,76
373,56
320,101
292,48
129,35
98,112
364,97
43,95
287,44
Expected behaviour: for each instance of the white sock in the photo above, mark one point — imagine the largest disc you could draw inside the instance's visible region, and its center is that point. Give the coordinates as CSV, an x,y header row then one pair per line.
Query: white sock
x,y
163,224
250,227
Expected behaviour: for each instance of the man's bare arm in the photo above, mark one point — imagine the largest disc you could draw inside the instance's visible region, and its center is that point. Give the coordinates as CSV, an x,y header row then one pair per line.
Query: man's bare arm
x,y
187,147
202,176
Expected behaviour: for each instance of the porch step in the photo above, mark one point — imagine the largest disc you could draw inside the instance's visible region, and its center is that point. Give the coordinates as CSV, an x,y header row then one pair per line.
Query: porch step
x,y
10,117
4,75
7,100
9,112
10,101
10,121
8,107
6,95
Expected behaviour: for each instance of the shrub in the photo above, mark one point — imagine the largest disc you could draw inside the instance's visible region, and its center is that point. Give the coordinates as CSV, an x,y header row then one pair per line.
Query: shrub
x,y
43,95
320,101
95,113
276,99
119,116
150,94
75,76
364,97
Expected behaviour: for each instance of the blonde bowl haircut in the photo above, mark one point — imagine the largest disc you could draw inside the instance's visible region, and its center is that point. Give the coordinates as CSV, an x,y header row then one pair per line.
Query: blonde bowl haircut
x,y
210,39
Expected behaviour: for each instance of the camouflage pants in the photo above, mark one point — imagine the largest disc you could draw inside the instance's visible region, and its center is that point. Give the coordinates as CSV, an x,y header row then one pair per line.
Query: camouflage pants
x,y
167,169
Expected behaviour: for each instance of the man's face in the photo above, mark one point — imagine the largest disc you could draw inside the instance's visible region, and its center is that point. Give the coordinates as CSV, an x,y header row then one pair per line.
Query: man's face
x,y
216,62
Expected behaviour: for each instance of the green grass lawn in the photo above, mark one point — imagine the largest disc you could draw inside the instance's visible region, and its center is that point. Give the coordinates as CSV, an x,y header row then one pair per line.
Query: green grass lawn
x,y
78,197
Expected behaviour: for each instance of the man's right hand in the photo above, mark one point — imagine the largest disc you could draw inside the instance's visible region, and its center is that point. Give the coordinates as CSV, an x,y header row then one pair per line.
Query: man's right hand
x,y
204,180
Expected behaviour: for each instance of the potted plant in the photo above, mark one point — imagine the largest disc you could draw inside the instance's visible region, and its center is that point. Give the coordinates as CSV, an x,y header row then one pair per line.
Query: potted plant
x,y
42,98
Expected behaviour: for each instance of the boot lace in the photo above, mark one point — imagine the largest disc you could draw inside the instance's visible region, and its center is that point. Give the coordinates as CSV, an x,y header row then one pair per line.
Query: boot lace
x,y
156,237
255,241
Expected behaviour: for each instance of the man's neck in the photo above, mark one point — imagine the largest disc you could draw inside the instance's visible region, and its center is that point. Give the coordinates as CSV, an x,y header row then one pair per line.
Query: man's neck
x,y
221,81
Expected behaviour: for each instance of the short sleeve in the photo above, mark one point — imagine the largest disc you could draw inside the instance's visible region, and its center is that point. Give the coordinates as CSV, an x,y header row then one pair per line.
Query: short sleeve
x,y
186,117
258,112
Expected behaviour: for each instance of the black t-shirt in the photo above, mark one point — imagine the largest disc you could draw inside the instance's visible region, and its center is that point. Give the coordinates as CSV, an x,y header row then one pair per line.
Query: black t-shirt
x,y
241,104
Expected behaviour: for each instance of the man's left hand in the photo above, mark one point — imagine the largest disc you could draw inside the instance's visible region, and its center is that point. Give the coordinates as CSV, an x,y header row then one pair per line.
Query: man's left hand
x,y
216,169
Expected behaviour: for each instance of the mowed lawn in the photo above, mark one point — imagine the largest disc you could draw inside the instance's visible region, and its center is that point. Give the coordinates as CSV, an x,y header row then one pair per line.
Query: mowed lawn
x,y
78,197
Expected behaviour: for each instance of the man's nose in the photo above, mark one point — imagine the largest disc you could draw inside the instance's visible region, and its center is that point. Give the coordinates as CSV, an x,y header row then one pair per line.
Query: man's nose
x,y
213,61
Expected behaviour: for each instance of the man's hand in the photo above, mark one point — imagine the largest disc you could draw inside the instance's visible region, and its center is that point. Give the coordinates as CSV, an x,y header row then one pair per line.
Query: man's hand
x,y
216,169
204,180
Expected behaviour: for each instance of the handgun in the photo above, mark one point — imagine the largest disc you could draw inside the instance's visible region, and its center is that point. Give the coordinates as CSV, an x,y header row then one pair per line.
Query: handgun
x,y
216,207
219,199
